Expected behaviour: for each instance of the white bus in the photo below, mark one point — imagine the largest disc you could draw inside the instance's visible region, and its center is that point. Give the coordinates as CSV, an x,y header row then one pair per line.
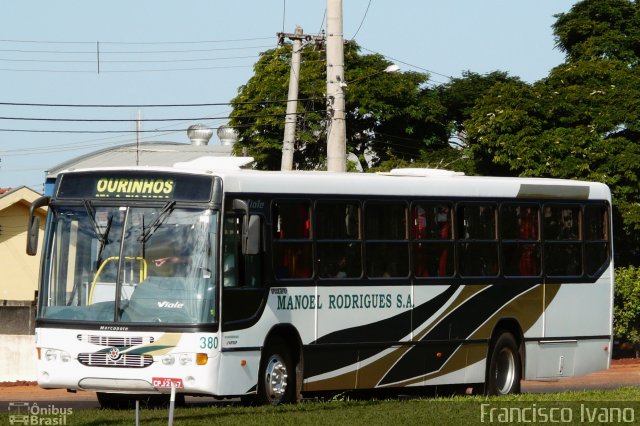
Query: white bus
x,y
222,281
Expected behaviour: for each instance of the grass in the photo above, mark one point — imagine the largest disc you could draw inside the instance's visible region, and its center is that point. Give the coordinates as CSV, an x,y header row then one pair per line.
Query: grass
x,y
593,407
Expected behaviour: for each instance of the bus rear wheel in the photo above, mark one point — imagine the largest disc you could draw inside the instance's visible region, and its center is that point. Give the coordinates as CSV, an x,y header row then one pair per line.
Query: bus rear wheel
x,y
276,380
505,366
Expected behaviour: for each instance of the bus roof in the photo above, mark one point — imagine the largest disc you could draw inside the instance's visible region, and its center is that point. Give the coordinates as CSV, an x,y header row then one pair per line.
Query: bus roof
x,y
401,182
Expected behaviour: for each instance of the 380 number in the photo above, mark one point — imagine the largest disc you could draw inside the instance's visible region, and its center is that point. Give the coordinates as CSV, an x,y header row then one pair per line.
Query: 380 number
x,y
209,342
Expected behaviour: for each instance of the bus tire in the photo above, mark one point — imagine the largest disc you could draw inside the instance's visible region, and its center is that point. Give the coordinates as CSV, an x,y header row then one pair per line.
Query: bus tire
x,y
115,401
276,379
504,369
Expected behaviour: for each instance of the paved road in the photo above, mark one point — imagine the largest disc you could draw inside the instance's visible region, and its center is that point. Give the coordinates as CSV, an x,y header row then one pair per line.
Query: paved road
x,y
619,375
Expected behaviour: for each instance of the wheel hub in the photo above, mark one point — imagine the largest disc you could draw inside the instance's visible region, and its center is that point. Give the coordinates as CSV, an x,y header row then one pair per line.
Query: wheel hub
x,y
275,379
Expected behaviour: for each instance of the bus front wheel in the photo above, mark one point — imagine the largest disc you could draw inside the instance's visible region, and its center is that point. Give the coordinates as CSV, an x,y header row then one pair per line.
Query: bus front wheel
x,y
505,366
276,381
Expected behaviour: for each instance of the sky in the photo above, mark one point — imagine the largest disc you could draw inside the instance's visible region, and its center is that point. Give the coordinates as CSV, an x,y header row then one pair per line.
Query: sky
x,y
161,52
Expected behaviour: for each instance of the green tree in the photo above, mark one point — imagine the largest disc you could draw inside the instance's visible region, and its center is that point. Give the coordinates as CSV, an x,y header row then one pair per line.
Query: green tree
x,y
600,29
580,122
388,117
626,318
258,110
459,96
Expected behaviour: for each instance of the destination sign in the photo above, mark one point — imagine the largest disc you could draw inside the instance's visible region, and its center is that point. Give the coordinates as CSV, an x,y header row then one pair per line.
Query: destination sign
x,y
135,185
134,188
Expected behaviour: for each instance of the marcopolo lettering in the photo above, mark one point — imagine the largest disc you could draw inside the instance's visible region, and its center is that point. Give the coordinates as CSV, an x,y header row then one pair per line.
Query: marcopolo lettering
x,y
125,187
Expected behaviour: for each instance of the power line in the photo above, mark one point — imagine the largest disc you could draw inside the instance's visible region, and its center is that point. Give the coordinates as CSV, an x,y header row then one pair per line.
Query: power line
x,y
152,105
111,140
137,61
136,43
136,52
124,71
406,63
134,120
143,131
362,21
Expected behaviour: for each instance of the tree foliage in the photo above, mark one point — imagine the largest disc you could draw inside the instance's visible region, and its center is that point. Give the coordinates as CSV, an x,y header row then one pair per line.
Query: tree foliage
x,y
626,318
258,110
580,122
388,116
600,29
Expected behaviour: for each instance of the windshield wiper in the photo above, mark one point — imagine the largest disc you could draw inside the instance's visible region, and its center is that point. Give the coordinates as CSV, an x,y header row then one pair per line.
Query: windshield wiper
x,y
102,237
162,216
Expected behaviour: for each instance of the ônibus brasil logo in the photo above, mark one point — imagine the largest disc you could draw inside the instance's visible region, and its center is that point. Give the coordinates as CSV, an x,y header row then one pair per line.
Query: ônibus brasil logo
x,y
25,413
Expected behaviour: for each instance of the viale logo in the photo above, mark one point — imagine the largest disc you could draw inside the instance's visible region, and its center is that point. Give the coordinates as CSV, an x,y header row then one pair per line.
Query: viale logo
x,y
175,305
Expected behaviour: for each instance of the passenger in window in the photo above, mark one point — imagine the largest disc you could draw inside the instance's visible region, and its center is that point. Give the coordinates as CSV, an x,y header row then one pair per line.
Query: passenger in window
x,y
567,231
527,265
341,268
443,221
527,230
295,264
527,227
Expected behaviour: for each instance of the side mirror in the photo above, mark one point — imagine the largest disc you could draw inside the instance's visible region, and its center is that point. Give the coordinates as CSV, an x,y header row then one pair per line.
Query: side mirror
x,y
250,228
33,227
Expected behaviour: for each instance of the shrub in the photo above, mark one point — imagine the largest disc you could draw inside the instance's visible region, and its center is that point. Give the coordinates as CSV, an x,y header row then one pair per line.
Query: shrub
x,y
626,311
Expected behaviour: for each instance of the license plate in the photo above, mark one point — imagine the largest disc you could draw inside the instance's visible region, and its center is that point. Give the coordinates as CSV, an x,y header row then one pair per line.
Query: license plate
x,y
167,382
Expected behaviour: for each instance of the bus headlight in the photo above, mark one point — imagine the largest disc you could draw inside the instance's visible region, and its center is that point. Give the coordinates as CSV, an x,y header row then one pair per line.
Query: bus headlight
x,y
186,359
52,355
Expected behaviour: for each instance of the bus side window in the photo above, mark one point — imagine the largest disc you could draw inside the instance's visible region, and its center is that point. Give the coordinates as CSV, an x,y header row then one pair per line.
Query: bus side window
x,y
478,242
238,270
387,240
291,237
231,244
339,243
597,245
562,235
431,231
520,230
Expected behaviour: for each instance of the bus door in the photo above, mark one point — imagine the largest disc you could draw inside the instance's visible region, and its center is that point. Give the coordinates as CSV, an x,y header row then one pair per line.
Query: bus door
x,y
243,292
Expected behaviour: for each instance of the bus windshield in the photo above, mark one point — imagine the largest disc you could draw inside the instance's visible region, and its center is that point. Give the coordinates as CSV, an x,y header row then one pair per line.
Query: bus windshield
x,y
126,264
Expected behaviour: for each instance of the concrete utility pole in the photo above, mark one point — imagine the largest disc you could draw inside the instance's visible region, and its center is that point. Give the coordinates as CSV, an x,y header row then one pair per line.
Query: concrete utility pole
x,y
337,134
292,100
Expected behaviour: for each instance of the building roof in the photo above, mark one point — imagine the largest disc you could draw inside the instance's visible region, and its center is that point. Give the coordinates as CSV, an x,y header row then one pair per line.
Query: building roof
x,y
21,195
144,154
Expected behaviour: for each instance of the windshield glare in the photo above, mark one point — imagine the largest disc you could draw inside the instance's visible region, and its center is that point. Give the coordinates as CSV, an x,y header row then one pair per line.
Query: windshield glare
x,y
131,265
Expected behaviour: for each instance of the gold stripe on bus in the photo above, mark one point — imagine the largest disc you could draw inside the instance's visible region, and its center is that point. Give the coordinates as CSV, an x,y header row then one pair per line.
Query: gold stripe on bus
x,y
342,381
370,375
165,344
374,372
472,353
